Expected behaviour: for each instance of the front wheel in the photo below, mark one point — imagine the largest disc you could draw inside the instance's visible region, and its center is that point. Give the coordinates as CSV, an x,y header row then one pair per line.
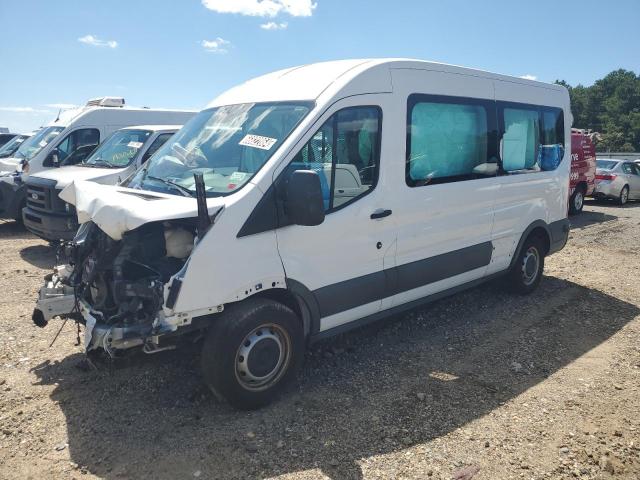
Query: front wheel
x,y
623,198
526,272
576,202
251,351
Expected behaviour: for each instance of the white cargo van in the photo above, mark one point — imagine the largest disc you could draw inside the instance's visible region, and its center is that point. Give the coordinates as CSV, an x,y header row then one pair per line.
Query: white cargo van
x,y
69,139
116,159
312,200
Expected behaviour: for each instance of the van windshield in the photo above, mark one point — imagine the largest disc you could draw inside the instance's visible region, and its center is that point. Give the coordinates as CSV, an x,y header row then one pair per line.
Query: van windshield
x,y
12,145
119,150
33,145
606,164
228,145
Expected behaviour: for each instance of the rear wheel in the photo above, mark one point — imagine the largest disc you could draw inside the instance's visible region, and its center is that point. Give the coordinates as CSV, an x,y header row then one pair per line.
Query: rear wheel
x,y
526,273
623,198
251,352
576,202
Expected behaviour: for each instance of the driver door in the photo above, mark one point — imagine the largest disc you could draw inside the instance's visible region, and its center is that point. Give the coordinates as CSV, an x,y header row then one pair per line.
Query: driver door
x,y
342,261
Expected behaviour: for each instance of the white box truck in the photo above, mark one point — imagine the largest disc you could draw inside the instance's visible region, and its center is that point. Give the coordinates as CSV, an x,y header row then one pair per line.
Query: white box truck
x,y
68,139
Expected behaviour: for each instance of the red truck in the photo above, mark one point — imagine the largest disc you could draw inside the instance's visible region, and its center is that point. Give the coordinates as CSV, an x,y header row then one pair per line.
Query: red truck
x,y
583,168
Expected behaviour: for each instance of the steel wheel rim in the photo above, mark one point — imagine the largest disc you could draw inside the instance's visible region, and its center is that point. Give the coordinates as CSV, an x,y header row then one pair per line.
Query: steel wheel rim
x,y
530,265
578,201
263,357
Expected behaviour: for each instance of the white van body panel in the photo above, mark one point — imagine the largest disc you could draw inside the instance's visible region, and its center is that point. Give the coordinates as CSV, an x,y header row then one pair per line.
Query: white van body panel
x,y
524,199
223,268
436,221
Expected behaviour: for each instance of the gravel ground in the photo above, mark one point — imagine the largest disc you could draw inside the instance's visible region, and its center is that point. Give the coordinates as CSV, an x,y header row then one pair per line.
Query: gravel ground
x,y
482,385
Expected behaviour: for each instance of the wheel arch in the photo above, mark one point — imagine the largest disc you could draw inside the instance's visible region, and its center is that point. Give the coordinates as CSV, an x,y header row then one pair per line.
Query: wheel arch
x,y
299,299
538,228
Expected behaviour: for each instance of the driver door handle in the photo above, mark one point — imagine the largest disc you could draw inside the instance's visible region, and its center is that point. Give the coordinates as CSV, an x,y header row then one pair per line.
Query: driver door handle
x,y
380,214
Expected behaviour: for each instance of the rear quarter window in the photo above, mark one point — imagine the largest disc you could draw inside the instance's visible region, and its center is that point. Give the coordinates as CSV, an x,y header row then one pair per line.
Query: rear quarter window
x,y
606,164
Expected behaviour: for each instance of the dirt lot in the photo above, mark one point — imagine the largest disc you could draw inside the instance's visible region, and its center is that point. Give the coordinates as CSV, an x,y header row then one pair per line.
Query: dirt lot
x,y
545,386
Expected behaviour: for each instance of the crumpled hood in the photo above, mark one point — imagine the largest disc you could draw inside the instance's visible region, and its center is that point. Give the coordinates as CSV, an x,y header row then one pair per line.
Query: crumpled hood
x,y
65,175
117,210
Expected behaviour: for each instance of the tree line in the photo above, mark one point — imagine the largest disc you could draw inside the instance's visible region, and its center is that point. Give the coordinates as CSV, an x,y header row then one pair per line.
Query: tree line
x,y
611,106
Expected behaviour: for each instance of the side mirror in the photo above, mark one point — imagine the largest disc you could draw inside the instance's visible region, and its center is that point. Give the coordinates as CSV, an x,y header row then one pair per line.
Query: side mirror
x,y
304,204
55,157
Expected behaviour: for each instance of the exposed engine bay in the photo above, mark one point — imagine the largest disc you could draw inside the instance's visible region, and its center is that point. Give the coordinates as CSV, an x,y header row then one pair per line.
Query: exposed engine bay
x,y
118,285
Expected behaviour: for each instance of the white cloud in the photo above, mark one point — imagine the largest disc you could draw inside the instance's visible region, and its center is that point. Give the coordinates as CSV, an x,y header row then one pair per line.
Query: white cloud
x,y
96,42
63,106
219,45
22,110
262,8
274,26
528,76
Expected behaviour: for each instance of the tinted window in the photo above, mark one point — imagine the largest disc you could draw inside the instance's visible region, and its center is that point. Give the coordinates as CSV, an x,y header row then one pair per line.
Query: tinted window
x,y
628,168
532,137
521,139
345,152
157,143
553,126
449,139
606,164
82,137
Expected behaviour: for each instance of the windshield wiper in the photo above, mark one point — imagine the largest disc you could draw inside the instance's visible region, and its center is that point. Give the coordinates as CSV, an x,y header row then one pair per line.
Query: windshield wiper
x,y
97,163
184,190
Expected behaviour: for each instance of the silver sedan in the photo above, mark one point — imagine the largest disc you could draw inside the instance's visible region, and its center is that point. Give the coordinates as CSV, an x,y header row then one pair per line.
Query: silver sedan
x,y
617,179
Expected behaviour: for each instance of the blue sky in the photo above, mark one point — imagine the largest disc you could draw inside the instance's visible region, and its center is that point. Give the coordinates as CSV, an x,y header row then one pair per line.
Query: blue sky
x,y
181,54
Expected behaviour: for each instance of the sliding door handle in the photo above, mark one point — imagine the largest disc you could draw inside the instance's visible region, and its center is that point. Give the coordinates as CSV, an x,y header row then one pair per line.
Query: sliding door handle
x,y
380,214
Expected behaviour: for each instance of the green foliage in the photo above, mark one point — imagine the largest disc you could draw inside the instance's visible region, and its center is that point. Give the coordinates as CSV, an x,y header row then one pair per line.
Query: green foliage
x,y
610,106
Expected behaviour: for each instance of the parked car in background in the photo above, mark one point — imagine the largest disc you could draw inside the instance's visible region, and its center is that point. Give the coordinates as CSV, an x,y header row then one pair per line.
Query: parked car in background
x,y
9,148
114,160
68,140
618,180
310,201
5,137
583,169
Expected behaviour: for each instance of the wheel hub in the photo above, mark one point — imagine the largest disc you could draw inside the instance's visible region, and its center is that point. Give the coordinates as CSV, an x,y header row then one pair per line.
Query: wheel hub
x,y
578,201
530,265
262,357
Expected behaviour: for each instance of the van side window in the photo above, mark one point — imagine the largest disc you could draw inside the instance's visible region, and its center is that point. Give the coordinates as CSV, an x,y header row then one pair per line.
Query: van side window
x,y
345,152
521,139
77,146
157,143
532,137
450,139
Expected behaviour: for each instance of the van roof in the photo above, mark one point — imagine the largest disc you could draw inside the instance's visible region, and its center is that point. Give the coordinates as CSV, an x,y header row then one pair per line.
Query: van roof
x,y
309,82
66,117
153,128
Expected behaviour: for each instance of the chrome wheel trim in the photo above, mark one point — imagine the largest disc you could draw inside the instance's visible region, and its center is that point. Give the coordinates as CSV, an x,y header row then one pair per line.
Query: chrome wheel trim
x,y
578,201
530,266
276,337
624,195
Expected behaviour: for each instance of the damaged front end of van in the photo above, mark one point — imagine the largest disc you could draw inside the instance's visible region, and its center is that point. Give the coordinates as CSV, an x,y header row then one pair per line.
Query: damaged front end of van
x,y
121,283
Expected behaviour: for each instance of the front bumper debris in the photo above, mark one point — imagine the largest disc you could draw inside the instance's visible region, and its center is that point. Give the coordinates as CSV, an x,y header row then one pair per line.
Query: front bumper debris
x,y
58,300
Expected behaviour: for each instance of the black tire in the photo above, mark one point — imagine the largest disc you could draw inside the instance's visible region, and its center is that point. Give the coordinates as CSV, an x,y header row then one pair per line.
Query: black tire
x,y
623,198
576,202
526,272
228,367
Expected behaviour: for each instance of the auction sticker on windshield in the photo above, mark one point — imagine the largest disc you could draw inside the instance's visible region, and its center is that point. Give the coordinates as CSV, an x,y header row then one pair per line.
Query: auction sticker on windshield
x,y
258,141
134,144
